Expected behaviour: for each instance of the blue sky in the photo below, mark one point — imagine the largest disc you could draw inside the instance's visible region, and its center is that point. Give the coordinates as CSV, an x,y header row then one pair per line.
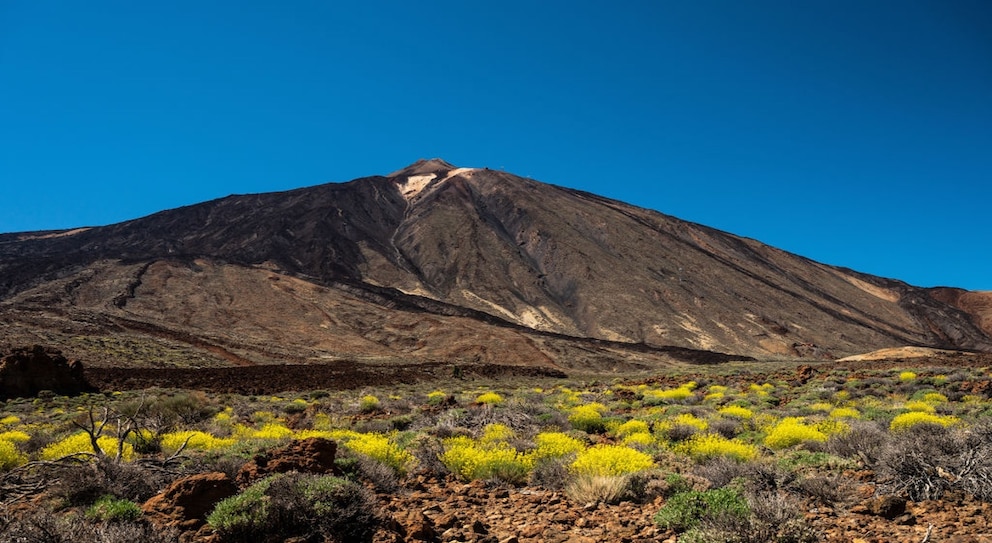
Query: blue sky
x,y
854,133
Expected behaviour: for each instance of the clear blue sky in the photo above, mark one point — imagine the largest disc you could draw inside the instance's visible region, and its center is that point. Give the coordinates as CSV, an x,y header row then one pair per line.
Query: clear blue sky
x,y
855,133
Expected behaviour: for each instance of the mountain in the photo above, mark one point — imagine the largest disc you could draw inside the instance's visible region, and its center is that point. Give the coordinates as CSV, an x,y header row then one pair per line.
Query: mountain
x,y
435,262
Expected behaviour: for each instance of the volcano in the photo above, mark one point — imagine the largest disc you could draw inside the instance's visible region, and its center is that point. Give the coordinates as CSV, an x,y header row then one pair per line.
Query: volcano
x,y
463,265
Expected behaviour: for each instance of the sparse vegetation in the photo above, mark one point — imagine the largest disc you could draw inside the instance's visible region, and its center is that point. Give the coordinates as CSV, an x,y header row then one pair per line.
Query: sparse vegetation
x,y
737,467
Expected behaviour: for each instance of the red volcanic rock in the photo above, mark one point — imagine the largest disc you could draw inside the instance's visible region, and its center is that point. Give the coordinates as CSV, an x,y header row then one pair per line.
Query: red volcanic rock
x,y
185,503
313,455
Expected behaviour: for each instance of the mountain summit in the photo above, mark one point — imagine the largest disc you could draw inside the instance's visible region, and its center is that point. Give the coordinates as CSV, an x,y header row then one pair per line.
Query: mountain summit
x,y
436,262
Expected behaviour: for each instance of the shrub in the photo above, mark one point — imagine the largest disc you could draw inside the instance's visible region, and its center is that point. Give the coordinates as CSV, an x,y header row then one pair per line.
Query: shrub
x,y
672,395
597,488
632,427
111,509
368,404
845,413
489,398
588,418
907,376
197,440
792,431
380,448
436,397
736,412
920,407
80,443
863,441
607,460
471,460
702,447
686,510
297,506
555,445
10,457
914,418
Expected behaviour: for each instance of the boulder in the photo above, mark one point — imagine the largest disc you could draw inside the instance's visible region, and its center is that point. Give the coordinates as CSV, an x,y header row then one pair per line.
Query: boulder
x,y
312,455
26,371
186,502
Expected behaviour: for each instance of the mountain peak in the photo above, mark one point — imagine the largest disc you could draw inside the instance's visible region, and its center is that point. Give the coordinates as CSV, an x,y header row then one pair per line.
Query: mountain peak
x,y
424,167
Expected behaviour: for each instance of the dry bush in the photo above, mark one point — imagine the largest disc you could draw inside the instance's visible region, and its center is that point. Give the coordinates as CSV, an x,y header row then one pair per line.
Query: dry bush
x,y
46,527
597,488
771,517
921,462
551,474
726,427
826,489
81,484
756,476
864,442
382,477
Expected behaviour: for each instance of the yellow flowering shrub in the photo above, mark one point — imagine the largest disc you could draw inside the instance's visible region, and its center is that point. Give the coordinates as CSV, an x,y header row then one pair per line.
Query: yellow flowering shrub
x,y
555,445
717,389
934,397
368,403
471,460
821,406
270,430
907,376
632,427
670,395
10,420
736,412
606,460
705,446
908,420
381,448
921,407
197,441
638,439
80,443
14,436
436,397
792,431
763,389
489,398
587,417
713,397
332,434
845,413
495,433
10,456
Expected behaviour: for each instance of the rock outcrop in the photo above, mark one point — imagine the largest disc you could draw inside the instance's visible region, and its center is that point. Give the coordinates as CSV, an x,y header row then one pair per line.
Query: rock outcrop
x,y
24,372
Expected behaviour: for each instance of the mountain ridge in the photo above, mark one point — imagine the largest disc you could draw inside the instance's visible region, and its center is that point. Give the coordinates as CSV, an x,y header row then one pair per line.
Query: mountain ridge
x,y
463,243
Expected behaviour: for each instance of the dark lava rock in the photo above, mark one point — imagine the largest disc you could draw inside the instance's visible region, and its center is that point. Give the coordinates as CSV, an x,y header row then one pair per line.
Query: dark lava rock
x,y
26,371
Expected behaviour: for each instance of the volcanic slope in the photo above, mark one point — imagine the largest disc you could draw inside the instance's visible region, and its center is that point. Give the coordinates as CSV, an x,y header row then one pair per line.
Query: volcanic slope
x,y
434,262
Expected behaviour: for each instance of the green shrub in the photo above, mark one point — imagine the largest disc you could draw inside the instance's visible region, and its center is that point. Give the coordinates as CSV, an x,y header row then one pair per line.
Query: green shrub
x,y
686,510
111,509
297,506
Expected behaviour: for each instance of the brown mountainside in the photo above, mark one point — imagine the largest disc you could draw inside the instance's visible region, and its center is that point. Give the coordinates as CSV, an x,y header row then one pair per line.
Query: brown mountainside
x,y
437,263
